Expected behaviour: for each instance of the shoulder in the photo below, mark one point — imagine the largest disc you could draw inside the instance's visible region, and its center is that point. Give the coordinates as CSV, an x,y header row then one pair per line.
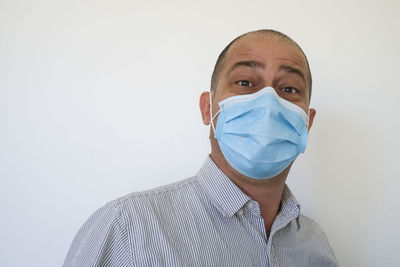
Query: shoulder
x,y
119,206
316,237
303,243
311,227
117,209
99,239
309,223
305,229
181,188
133,210
106,232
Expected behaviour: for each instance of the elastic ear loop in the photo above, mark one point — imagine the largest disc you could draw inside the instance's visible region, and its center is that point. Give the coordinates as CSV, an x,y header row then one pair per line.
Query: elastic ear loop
x,y
213,117
308,119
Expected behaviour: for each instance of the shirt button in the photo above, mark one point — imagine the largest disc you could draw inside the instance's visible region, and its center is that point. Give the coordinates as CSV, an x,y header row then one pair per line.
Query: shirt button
x,y
240,212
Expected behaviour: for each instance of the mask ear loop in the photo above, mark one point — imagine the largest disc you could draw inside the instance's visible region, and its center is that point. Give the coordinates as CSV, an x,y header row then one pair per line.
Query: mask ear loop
x,y
211,116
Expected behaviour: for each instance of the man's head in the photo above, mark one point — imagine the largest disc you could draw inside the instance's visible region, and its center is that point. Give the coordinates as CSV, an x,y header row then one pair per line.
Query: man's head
x,y
266,33
251,62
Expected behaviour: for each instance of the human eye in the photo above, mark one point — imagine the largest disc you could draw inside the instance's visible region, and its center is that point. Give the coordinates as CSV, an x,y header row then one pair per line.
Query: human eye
x,y
244,83
290,90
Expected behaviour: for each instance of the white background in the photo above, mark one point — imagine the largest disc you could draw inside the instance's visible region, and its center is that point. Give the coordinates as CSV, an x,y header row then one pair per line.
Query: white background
x,y
100,98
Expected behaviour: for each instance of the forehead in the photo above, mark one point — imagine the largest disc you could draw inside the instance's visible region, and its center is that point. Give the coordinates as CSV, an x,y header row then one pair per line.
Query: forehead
x,y
267,49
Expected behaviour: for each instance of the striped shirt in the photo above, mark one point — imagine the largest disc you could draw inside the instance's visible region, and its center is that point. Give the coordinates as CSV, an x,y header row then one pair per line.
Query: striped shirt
x,y
205,220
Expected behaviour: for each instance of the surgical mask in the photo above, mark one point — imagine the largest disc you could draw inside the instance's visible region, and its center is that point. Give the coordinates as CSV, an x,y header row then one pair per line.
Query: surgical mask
x,y
260,134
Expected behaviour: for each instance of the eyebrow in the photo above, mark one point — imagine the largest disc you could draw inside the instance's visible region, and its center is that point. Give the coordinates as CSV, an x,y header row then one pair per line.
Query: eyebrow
x,y
259,65
290,69
250,63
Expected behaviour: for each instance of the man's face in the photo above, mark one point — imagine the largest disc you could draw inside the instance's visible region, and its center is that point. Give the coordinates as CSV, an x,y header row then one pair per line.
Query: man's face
x,y
257,61
251,64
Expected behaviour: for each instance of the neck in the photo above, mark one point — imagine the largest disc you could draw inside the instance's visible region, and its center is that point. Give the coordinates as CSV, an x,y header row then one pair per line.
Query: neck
x,y
268,193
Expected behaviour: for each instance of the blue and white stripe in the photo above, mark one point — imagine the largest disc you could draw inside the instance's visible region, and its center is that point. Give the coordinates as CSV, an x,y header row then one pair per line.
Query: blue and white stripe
x,y
205,220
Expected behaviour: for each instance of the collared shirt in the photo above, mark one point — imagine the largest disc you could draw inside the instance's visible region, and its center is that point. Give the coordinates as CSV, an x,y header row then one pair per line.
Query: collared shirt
x,y
205,220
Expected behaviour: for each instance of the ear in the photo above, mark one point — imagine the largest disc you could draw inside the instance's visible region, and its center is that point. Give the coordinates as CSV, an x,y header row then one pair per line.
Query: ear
x,y
205,107
311,118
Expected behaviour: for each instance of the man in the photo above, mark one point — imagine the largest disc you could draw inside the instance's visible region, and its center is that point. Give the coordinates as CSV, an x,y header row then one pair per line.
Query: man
x,y
237,210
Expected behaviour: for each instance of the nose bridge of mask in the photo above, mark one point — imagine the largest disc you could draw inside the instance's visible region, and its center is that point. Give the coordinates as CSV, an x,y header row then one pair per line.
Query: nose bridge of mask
x,y
248,97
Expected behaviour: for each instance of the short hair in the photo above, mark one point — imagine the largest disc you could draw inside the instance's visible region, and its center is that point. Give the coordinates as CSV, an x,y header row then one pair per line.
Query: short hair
x,y
219,65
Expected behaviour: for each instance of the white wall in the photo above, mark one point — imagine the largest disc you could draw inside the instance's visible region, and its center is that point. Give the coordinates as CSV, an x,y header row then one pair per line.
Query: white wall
x,y
100,98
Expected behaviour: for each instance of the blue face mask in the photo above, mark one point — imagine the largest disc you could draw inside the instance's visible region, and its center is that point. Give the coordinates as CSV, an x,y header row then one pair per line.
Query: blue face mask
x,y
260,134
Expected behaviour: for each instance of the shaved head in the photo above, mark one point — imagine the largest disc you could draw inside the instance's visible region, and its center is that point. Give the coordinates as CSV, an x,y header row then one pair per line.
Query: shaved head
x,y
266,33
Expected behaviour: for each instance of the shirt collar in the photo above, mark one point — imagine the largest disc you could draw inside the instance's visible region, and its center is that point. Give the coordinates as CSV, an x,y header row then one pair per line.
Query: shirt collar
x,y
290,210
229,199
224,194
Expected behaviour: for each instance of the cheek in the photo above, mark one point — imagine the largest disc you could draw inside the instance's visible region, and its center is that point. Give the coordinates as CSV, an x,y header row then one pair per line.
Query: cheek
x,y
304,107
220,95
215,106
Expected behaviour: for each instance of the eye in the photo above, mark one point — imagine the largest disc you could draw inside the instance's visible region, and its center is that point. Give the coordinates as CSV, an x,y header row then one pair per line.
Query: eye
x,y
289,90
245,83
